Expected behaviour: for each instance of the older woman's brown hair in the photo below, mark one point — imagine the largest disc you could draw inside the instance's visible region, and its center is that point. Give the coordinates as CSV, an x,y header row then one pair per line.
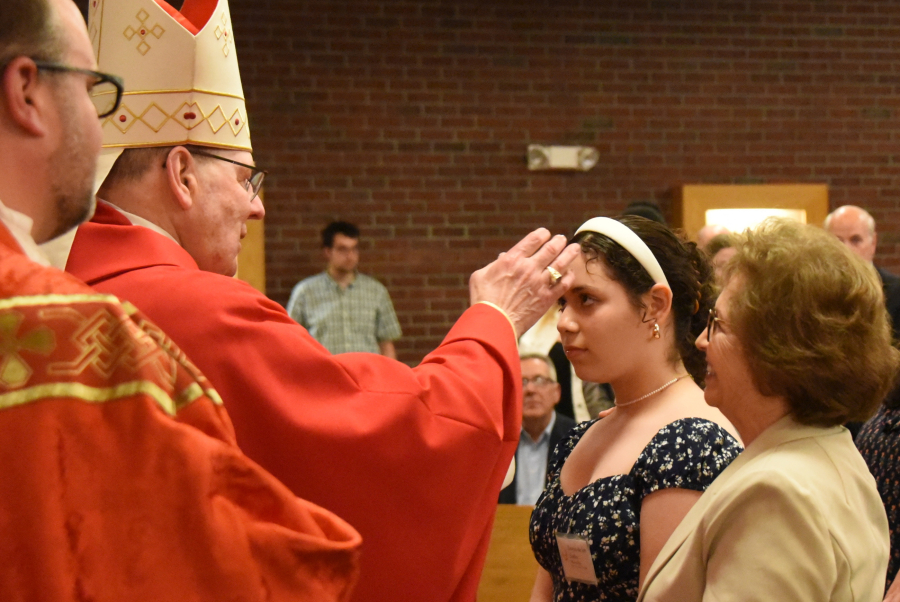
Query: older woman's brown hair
x,y
811,318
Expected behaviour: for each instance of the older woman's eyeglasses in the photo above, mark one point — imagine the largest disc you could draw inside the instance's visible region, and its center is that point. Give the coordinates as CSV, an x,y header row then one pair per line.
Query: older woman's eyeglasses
x,y
711,323
106,90
537,381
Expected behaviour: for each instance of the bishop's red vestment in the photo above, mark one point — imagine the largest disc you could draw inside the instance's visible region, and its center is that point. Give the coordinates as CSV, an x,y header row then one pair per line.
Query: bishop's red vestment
x,y
121,479
413,458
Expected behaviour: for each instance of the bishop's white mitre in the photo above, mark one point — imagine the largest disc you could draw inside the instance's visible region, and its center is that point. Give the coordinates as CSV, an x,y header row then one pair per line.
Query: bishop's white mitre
x,y
182,81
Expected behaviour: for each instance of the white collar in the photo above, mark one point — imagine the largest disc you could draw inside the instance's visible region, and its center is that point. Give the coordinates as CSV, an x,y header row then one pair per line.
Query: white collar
x,y
58,249
137,220
19,226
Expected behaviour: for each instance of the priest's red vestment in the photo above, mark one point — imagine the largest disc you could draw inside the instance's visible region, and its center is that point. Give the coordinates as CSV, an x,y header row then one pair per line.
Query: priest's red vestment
x,y
411,457
121,478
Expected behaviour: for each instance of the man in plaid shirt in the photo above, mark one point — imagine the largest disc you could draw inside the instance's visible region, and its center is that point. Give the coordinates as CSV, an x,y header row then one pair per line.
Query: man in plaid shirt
x,y
341,308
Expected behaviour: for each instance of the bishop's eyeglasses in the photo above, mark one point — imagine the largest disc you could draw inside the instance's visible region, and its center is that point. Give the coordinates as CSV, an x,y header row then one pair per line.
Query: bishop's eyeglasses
x,y
252,184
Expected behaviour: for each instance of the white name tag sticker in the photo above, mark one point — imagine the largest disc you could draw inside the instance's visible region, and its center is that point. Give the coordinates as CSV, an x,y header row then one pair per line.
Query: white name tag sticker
x,y
575,553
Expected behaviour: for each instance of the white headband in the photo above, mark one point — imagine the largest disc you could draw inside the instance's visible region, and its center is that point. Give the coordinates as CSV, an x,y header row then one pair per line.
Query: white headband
x,y
630,241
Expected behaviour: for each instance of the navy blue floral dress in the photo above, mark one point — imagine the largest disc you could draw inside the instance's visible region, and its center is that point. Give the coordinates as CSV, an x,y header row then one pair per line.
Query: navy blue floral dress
x,y
688,454
879,443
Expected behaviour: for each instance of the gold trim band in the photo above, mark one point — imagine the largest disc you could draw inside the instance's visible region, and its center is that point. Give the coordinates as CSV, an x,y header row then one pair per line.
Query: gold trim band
x,y
146,92
249,149
90,394
32,301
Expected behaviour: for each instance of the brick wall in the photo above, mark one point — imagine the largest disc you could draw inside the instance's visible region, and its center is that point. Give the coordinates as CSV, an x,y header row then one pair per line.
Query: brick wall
x,y
412,119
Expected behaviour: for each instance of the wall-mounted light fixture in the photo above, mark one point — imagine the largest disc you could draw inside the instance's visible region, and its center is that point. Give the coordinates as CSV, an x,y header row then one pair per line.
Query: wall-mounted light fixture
x,y
581,158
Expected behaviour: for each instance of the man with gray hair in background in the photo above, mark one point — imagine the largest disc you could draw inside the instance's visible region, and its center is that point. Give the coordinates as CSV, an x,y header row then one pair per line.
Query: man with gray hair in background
x,y
542,429
855,227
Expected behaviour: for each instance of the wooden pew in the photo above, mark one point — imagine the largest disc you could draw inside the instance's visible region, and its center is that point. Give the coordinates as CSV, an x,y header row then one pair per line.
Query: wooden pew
x,y
510,568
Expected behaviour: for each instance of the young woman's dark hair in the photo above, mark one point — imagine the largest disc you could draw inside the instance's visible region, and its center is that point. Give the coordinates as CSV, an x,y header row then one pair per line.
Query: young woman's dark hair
x,y
686,268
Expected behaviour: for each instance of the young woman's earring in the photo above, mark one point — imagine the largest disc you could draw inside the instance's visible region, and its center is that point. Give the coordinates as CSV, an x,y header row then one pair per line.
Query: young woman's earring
x,y
656,331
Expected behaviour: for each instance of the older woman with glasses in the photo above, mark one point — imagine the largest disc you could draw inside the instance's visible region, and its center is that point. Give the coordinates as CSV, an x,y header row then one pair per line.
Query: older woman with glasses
x,y
797,344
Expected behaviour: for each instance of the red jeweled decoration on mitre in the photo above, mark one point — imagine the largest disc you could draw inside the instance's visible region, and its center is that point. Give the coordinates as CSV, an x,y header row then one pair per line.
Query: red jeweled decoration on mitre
x,y
182,80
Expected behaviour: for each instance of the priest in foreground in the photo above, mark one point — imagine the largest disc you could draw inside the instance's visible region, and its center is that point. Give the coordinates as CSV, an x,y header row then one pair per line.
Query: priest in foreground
x,y
413,458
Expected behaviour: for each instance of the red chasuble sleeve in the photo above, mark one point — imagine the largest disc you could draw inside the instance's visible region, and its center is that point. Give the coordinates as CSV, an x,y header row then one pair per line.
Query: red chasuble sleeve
x,y
411,457
121,479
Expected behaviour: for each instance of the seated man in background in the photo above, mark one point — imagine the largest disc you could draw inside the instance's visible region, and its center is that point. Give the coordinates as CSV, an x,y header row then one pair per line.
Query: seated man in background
x,y
542,428
121,476
341,308
413,458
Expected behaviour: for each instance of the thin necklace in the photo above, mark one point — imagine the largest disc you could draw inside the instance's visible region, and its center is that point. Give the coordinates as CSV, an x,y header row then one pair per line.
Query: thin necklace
x,y
652,393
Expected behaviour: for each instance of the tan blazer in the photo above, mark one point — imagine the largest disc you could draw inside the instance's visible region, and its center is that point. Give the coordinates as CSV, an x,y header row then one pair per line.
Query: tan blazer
x,y
795,518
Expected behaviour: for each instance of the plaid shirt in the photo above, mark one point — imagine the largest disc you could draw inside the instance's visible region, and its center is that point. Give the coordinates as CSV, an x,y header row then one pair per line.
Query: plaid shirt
x,y
353,319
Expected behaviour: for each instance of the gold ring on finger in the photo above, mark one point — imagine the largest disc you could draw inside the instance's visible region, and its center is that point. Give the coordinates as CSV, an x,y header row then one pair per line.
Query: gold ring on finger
x,y
555,276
